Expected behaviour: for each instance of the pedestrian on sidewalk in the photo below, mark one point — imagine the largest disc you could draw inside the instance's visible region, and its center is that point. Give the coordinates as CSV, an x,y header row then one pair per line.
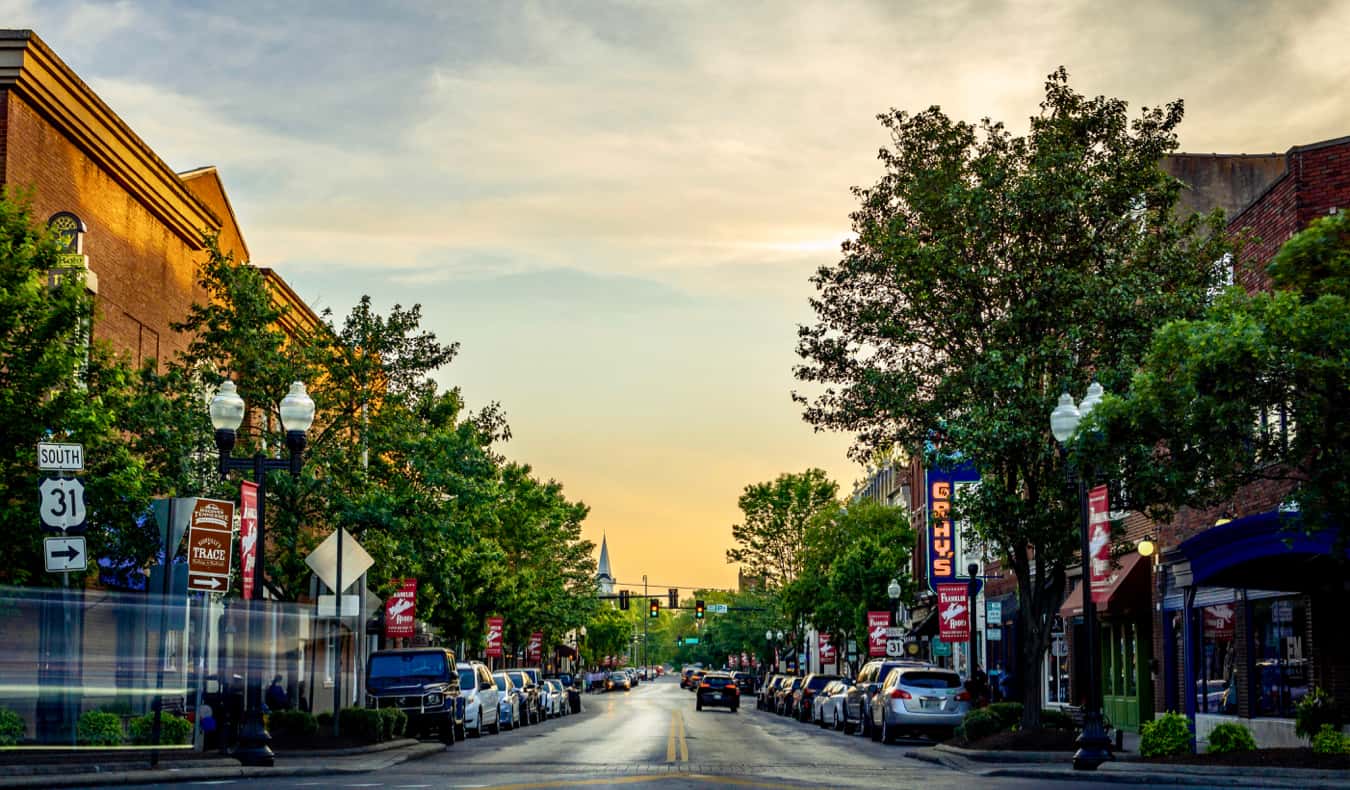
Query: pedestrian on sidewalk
x,y
277,696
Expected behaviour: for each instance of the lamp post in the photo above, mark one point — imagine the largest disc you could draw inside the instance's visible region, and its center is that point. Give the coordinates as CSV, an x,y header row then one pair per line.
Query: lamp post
x,y
1094,747
893,590
227,413
973,592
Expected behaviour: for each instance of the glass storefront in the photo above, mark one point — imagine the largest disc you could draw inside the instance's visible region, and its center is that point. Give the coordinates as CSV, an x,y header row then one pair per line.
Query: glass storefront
x,y
1281,670
1057,670
1216,686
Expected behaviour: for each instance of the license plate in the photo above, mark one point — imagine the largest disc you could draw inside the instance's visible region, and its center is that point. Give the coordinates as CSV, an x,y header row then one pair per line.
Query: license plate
x,y
716,695
929,702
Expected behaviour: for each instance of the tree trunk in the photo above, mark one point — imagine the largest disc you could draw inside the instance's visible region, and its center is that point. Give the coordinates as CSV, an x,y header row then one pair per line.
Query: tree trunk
x,y
1040,602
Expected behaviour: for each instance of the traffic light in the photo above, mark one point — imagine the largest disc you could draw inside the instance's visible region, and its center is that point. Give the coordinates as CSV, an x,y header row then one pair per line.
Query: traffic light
x,y
698,610
623,600
673,598
654,608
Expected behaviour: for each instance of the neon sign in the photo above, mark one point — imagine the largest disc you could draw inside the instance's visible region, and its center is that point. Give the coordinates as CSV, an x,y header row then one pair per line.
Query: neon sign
x,y
943,540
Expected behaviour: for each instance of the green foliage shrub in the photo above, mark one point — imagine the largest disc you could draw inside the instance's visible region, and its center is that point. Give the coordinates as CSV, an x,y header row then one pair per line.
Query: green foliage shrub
x,y
1008,713
1329,740
980,723
172,729
1231,737
99,728
1054,719
1313,712
1166,735
362,724
324,720
393,722
293,724
12,727
122,709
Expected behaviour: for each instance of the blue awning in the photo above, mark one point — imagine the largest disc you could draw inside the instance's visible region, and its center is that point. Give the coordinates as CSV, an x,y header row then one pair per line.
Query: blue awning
x,y
1255,551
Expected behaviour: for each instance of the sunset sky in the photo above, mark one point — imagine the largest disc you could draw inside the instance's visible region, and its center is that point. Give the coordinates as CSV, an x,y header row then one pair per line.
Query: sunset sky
x,y
615,207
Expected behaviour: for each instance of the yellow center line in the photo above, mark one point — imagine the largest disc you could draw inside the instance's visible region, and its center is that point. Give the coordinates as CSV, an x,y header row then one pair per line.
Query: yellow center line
x,y
684,745
670,738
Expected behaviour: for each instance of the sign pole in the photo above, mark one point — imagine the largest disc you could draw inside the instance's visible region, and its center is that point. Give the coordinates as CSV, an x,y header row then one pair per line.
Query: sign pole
x,y
163,639
337,639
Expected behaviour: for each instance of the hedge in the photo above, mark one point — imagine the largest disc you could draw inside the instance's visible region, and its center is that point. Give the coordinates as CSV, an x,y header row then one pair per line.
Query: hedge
x,y
12,727
362,724
99,728
394,723
172,729
293,724
1166,735
1231,737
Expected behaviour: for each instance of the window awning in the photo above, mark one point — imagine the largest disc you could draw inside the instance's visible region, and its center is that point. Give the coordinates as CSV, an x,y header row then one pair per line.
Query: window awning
x,y
1127,590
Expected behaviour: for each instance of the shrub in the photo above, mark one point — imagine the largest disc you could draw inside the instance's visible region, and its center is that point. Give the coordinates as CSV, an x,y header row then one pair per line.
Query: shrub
x,y
294,724
99,728
980,723
172,729
1231,737
1314,711
362,724
1008,713
324,720
12,727
400,725
1054,719
1166,735
118,708
1329,740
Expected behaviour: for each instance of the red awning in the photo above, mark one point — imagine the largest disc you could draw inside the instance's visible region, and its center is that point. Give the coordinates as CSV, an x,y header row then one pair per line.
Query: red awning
x,y
1127,589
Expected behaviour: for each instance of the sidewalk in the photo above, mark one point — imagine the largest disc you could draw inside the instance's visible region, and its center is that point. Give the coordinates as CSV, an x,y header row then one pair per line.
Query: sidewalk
x,y
1127,770
137,771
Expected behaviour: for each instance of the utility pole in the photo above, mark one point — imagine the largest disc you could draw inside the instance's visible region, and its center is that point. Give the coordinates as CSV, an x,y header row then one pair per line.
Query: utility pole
x,y
644,621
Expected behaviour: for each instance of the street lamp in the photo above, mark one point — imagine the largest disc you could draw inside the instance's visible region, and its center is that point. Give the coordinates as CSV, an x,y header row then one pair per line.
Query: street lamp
x,y
1094,748
227,413
893,590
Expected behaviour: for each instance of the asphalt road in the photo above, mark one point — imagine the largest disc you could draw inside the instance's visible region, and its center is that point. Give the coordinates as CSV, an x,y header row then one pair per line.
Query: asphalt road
x,y
653,737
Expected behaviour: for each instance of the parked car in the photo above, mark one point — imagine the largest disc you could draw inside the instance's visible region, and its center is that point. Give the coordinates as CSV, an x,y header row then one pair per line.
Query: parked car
x,y
685,675
928,700
782,697
531,712
849,708
767,691
553,698
617,681
825,698
511,704
745,682
572,685
422,683
696,678
869,681
718,689
800,707
482,700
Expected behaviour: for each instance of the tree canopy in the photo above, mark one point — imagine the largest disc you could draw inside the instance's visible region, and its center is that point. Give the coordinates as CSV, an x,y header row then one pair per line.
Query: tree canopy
x,y
776,515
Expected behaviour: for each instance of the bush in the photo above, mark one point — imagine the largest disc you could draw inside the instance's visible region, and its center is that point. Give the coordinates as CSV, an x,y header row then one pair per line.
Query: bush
x,y
394,721
294,724
324,720
1054,719
980,723
362,724
1329,740
1009,713
1231,737
1313,712
172,729
1166,735
99,728
12,727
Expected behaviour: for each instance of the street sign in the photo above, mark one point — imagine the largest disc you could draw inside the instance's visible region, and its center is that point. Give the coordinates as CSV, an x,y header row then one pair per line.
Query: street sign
x,y
993,611
895,632
993,634
64,554
60,457
62,505
210,544
691,640
717,608
355,560
170,535
895,648
328,604
941,648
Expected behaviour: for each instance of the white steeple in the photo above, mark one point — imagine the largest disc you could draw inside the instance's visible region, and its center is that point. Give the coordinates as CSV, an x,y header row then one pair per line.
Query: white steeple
x,y
604,580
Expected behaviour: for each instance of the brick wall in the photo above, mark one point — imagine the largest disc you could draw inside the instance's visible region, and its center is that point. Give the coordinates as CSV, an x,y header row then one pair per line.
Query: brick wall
x,y
146,273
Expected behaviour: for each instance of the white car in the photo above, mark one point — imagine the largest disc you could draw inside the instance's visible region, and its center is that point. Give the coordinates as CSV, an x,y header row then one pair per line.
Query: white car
x,y
482,699
828,706
553,699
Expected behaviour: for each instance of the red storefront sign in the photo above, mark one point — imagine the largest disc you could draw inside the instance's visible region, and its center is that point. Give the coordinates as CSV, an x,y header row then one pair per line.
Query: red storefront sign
x,y
400,611
827,649
535,651
1219,620
877,623
494,638
248,534
1099,542
953,613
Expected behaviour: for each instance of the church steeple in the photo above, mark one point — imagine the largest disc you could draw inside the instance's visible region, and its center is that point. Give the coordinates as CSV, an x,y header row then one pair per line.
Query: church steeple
x,y
604,579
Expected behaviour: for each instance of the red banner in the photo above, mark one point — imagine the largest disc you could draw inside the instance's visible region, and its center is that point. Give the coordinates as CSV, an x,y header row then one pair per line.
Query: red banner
x,y
953,613
534,652
877,623
605,662
248,535
1099,542
1219,620
400,611
494,638
827,649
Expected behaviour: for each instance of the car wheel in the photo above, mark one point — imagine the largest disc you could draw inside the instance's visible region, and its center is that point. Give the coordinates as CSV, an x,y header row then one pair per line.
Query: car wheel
x,y
735,708
447,732
872,731
698,705
887,734
496,728
460,733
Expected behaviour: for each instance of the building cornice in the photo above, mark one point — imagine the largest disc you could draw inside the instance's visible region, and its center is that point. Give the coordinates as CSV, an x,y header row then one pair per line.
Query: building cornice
x,y
30,69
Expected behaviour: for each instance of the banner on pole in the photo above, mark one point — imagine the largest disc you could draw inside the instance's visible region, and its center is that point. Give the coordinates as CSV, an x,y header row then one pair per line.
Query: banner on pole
x,y
1099,542
877,623
248,534
953,613
494,638
400,611
826,649
535,651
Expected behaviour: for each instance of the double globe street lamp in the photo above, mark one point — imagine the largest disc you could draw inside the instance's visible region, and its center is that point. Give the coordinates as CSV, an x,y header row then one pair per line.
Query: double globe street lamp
x,y
1094,748
227,414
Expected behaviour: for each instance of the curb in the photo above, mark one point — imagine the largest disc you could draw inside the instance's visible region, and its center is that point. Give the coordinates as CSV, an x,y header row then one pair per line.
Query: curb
x,y
317,767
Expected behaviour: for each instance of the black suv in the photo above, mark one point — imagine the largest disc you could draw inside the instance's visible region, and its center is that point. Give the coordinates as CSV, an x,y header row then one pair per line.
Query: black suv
x,y
421,682
718,689
745,682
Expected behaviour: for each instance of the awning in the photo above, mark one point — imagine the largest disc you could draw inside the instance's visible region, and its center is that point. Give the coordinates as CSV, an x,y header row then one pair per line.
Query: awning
x,y
928,626
565,652
1126,590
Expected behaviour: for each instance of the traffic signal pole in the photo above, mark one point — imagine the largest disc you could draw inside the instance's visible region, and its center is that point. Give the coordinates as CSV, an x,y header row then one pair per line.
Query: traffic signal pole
x,y
644,621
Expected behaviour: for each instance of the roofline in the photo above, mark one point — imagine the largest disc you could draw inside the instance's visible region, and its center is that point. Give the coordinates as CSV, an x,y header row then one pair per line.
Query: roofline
x,y
224,195
303,316
31,70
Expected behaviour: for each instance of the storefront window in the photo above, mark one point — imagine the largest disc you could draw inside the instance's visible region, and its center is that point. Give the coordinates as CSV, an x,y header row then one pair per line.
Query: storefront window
x,y
1216,689
1057,670
1278,625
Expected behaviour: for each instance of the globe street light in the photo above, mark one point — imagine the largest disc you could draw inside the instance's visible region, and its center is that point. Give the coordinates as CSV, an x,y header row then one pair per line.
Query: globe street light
x,y
227,414
1094,748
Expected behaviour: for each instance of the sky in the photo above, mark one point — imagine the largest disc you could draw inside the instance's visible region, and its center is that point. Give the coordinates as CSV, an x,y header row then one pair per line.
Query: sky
x,y
616,206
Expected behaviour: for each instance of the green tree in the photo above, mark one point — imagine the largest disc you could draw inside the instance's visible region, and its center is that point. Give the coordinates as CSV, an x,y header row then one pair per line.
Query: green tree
x,y
776,515
1253,391
989,272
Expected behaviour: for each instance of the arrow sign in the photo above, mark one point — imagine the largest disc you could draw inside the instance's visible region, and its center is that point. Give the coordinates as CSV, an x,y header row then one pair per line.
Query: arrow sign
x,y
64,554
206,582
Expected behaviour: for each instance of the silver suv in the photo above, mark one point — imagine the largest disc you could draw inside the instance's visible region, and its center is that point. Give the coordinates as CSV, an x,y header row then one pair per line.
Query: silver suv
x,y
927,700
482,700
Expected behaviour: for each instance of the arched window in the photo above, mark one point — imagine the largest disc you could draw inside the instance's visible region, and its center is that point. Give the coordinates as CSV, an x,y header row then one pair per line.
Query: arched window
x,y
68,230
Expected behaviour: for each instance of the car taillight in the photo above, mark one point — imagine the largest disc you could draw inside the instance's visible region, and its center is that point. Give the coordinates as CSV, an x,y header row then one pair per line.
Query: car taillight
x,y
900,694
964,696
705,685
